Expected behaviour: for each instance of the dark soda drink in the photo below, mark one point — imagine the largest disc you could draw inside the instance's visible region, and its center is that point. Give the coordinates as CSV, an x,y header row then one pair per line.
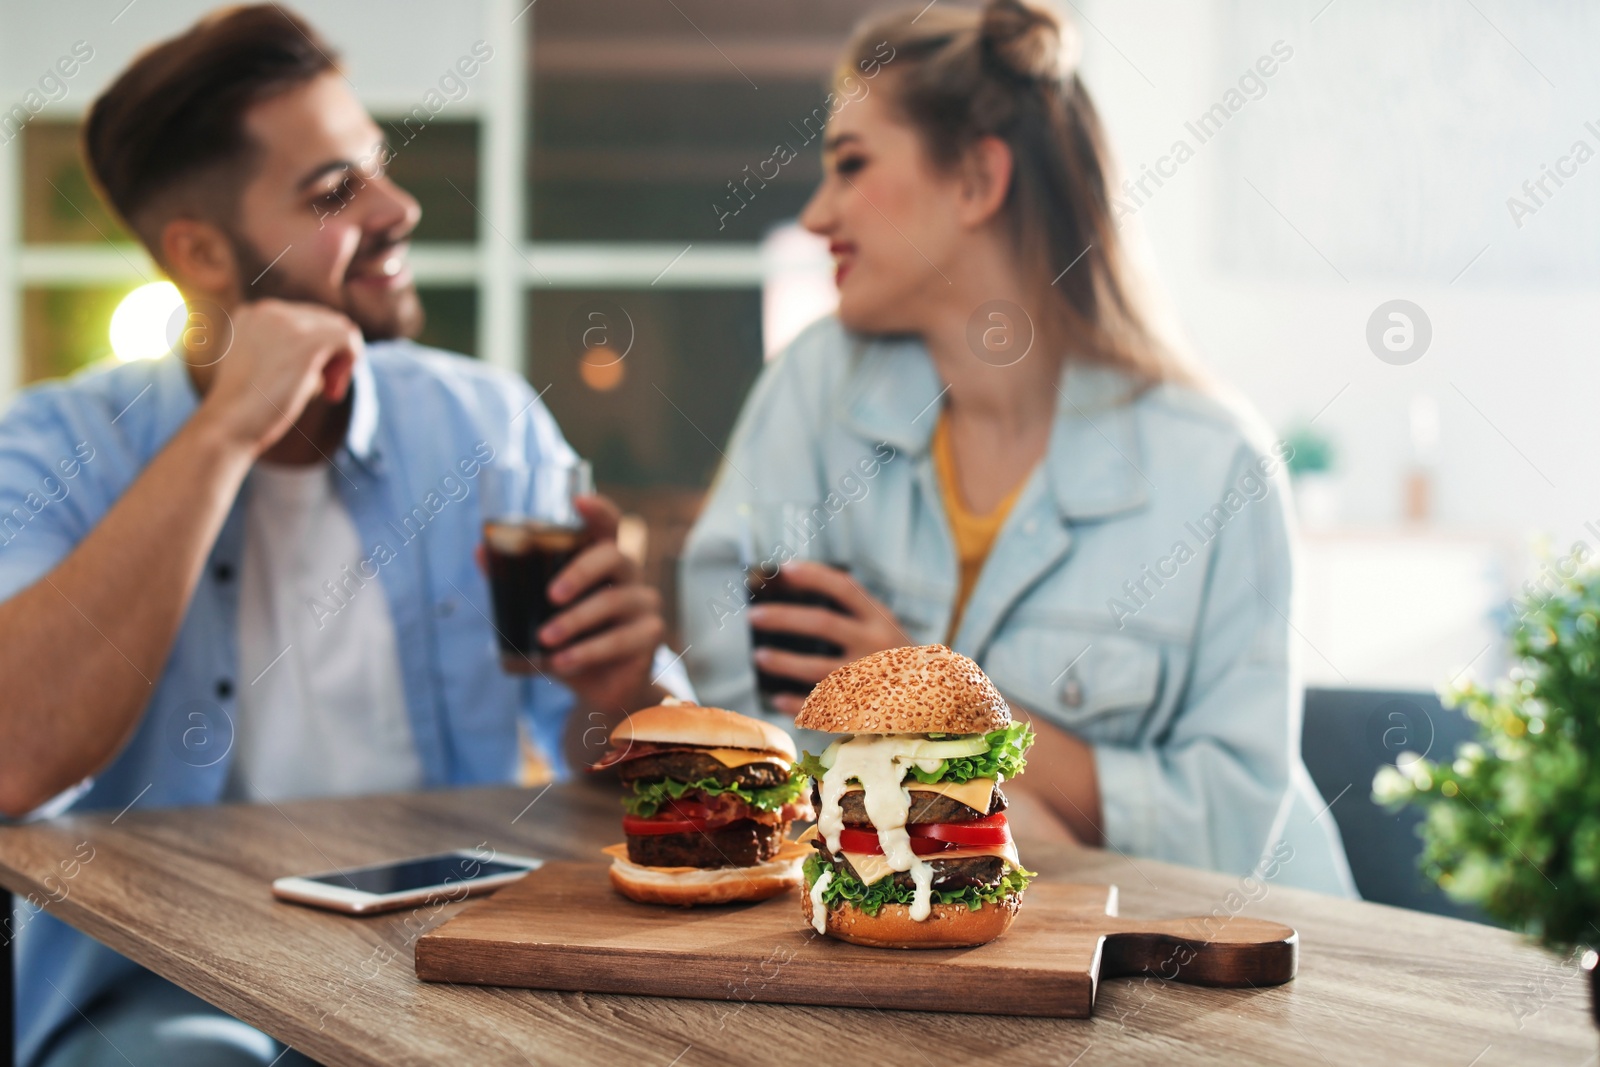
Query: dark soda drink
x,y
523,558
777,590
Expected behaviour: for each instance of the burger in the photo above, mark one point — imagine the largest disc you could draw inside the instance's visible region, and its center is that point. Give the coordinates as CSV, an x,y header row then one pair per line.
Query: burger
x,y
911,847
708,798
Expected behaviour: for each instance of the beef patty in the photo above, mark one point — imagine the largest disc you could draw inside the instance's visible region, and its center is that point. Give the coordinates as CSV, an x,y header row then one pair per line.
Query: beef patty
x,y
925,807
738,844
947,874
685,766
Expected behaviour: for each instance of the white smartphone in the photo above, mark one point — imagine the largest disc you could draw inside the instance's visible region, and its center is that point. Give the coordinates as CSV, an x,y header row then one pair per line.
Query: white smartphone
x,y
448,876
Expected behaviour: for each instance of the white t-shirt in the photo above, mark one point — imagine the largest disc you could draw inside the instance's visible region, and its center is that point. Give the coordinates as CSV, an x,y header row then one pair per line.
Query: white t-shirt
x,y
321,708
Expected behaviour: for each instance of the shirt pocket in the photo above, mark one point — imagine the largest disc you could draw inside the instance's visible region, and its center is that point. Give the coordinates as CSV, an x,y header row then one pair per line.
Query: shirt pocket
x,y
1102,687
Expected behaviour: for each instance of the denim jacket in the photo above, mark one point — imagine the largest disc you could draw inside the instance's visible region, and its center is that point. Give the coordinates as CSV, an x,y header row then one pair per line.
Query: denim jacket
x,y
1138,594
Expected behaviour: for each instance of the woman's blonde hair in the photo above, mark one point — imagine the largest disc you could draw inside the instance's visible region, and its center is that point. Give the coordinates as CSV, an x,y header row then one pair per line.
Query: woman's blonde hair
x,y
1009,70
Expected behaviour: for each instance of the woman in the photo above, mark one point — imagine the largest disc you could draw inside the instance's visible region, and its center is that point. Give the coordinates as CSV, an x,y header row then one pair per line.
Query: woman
x,y
996,445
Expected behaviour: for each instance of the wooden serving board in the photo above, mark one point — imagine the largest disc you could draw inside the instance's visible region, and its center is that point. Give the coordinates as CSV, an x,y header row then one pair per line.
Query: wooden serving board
x,y
564,927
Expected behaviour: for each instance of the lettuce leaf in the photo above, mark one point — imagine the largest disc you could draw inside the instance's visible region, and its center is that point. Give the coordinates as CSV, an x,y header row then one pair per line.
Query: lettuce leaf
x,y
845,888
1005,759
648,797
810,766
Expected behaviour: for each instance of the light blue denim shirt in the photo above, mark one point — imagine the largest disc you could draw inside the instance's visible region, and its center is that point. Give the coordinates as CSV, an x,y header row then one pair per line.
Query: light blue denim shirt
x,y
1138,594
422,426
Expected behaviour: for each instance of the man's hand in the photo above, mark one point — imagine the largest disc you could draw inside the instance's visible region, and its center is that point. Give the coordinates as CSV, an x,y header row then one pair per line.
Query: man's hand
x,y
81,648
282,356
866,627
607,635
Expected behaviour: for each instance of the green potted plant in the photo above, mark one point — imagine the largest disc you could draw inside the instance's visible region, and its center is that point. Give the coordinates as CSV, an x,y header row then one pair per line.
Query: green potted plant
x,y
1310,451
1513,821
1311,461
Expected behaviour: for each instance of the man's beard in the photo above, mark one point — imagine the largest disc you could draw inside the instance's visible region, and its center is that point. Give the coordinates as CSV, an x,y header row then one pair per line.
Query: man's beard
x,y
399,314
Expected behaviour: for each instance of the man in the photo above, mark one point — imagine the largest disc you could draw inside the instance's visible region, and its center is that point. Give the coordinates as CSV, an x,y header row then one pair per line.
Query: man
x,y
246,570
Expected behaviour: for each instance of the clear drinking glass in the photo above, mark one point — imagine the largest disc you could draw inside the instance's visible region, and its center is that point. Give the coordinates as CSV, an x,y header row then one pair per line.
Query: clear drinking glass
x,y
531,531
772,533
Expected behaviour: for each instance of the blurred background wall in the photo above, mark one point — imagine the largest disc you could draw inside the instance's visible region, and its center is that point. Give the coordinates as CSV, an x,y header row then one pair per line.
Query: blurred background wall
x,y
588,170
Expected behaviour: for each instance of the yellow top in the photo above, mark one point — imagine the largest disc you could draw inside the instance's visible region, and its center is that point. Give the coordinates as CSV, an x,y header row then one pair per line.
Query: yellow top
x,y
974,534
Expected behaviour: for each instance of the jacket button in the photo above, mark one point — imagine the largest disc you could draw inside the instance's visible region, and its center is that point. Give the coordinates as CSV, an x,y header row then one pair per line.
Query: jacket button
x,y
1072,693
224,688
223,572
445,608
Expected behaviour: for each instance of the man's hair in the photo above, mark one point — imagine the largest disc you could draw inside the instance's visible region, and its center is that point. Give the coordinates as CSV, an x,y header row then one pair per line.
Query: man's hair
x,y
164,133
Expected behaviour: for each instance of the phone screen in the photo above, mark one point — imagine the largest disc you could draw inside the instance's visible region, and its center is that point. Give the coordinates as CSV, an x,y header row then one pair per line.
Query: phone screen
x,y
408,875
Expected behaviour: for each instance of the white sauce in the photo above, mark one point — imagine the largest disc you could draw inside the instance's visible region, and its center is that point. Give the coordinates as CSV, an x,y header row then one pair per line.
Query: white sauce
x,y
878,762
922,899
819,910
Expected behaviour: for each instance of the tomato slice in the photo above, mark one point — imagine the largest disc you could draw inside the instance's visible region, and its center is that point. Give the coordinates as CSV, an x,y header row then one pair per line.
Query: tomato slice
x,y
930,837
632,824
989,830
867,843
863,841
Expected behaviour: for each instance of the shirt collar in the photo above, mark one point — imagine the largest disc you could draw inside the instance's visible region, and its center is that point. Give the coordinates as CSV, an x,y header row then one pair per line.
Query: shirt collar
x,y
1094,463
175,401
892,393
361,437
171,402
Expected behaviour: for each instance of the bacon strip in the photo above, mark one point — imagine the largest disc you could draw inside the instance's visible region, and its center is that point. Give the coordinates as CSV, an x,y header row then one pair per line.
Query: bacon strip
x,y
636,750
726,808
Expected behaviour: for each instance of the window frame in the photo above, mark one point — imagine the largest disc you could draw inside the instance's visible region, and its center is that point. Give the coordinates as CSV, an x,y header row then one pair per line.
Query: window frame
x,y
502,264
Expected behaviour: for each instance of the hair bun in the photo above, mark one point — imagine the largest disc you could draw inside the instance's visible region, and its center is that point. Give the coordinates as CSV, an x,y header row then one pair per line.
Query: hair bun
x,y
1028,41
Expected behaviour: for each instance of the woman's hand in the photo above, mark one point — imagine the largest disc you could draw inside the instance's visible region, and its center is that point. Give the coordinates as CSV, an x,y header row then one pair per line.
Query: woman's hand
x,y
865,627
1063,776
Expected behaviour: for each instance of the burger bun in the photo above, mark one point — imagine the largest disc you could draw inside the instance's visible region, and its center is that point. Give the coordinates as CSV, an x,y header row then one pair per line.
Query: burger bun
x,y
690,886
691,724
947,925
907,690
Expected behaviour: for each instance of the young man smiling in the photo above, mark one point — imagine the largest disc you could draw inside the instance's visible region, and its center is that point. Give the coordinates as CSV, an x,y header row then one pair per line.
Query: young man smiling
x,y
159,638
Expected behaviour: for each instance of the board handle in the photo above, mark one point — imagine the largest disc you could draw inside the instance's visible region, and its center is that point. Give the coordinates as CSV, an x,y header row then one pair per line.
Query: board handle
x,y
1201,951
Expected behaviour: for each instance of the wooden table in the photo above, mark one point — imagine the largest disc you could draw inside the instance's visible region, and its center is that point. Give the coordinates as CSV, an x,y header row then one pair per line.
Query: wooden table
x,y
185,892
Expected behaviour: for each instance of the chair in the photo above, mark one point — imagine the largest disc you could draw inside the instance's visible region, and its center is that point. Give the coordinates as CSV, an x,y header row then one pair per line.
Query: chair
x,y
1349,734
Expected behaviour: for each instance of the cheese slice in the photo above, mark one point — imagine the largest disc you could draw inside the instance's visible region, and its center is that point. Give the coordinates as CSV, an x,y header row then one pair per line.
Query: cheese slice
x,y
869,868
743,757
874,868
975,794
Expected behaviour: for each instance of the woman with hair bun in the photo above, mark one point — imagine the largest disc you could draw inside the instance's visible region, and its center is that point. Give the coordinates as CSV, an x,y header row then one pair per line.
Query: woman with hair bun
x,y
997,450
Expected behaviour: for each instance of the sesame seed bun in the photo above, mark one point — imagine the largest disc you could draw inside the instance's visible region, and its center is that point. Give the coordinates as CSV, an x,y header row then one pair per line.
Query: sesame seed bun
x,y
691,724
909,690
947,925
